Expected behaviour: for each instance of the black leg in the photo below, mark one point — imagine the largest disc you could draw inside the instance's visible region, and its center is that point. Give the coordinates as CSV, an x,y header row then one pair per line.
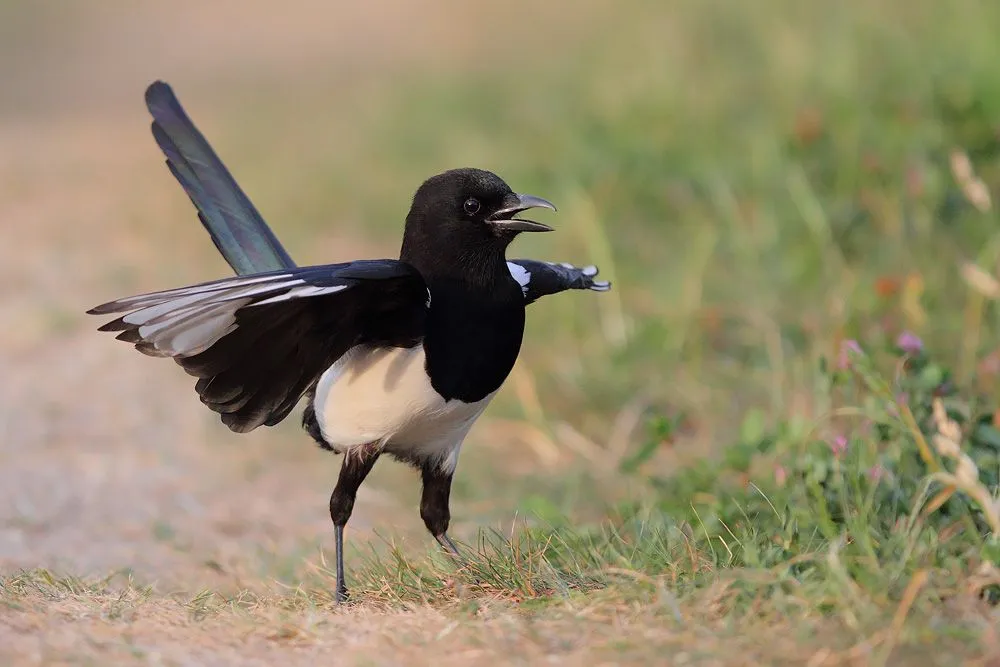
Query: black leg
x,y
353,471
434,509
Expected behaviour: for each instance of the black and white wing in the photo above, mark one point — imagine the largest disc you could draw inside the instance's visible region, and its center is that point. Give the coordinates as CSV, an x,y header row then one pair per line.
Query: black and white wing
x,y
538,279
236,228
257,343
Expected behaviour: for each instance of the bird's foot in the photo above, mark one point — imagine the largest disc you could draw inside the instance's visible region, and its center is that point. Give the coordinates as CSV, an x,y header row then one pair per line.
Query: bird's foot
x,y
460,560
449,546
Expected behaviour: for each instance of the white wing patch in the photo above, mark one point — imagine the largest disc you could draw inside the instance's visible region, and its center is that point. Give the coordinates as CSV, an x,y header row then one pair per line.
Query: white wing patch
x,y
173,306
186,321
151,313
298,292
520,274
153,298
196,334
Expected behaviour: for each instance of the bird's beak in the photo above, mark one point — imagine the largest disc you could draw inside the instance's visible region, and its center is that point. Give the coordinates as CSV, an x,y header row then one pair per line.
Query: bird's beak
x,y
504,218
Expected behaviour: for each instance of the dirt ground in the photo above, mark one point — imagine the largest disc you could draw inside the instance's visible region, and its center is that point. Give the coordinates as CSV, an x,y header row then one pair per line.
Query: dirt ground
x,y
107,460
99,443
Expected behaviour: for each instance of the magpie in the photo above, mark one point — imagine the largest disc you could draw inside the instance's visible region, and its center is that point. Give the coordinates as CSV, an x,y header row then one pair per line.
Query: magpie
x,y
393,356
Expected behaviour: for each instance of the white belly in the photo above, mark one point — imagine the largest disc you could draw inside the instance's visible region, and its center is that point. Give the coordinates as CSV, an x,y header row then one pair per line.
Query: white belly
x,y
383,396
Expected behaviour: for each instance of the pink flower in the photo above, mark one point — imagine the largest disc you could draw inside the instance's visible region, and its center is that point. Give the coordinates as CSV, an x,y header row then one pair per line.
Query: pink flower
x,y
909,342
846,347
780,475
838,446
876,473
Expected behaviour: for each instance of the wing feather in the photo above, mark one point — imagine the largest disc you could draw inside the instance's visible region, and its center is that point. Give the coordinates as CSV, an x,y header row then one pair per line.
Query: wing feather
x,y
538,279
237,229
258,343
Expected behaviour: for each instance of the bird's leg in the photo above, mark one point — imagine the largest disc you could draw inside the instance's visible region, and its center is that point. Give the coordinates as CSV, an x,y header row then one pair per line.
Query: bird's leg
x,y
353,471
434,509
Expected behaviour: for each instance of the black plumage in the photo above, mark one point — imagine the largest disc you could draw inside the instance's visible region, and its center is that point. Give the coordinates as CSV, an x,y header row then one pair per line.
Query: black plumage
x,y
396,356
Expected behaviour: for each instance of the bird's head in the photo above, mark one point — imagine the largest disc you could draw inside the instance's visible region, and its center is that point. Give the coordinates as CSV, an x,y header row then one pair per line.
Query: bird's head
x,y
468,213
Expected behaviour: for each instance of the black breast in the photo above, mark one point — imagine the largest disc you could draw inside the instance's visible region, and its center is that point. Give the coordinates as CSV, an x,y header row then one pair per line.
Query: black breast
x,y
472,339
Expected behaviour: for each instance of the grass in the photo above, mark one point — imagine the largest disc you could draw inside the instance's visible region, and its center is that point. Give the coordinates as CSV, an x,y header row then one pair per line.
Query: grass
x,y
777,440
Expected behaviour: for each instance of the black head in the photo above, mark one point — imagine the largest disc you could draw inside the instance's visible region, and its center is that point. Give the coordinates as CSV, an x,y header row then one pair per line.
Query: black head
x,y
464,215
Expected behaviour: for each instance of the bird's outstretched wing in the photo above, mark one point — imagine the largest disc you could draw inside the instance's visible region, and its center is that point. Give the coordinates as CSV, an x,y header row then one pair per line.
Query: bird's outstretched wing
x,y
538,279
257,343
237,229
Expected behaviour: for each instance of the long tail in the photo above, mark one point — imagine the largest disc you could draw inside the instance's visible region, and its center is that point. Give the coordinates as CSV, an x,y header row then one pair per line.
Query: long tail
x,y
237,229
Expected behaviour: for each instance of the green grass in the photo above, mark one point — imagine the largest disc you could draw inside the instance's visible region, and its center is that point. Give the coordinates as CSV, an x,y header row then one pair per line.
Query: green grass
x,y
763,182
795,526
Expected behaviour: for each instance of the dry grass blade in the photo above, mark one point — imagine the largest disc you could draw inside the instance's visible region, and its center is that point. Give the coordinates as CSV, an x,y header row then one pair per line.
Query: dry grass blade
x,y
947,441
979,280
913,588
974,189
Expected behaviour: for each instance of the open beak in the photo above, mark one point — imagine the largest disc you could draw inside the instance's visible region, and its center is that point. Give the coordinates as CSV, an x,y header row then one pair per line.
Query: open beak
x,y
504,218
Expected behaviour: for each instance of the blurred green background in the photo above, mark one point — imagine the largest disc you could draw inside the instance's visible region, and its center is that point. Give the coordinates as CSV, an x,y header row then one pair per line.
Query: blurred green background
x,y
759,181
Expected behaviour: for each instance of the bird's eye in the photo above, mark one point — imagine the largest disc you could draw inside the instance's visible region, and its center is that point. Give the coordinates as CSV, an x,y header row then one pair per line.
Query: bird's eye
x,y
471,206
